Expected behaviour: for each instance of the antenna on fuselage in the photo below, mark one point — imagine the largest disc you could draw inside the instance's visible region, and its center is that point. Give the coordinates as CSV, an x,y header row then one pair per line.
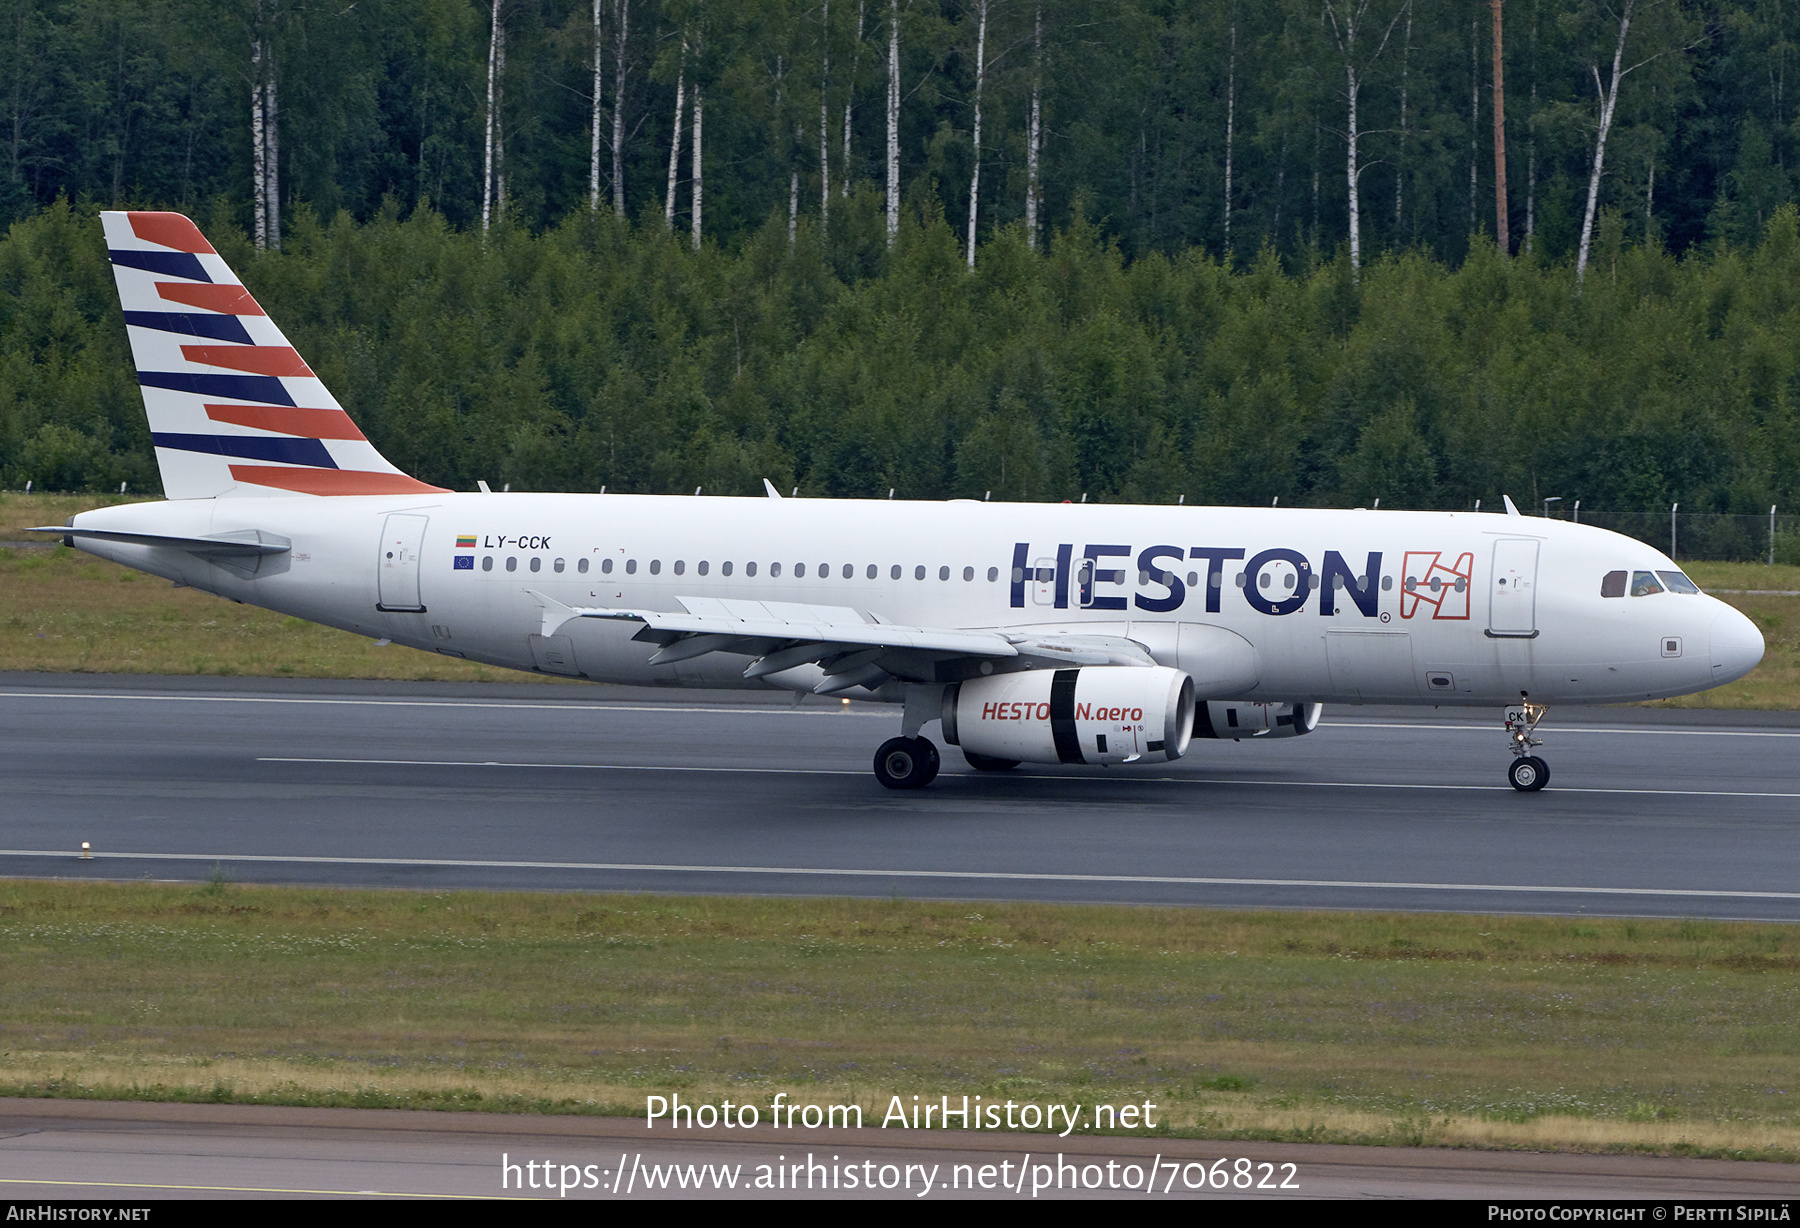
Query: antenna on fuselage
x,y
769,488
1510,509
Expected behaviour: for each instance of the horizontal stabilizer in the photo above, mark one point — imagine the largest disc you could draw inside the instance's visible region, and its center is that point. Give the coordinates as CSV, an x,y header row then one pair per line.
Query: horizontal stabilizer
x,y
242,542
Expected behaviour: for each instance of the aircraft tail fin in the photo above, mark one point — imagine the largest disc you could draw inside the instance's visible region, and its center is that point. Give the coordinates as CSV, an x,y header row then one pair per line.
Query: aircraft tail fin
x,y
234,410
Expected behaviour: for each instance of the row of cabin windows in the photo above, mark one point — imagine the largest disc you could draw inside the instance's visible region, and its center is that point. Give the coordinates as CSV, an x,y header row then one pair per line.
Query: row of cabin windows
x,y
1645,583
679,567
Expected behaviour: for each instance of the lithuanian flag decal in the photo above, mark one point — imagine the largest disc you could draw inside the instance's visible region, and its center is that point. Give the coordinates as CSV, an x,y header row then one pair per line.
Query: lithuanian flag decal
x,y
465,541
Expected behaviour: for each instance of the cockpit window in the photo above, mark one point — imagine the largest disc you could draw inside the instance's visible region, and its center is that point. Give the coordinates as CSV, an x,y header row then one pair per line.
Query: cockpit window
x,y
1678,583
1643,584
1612,584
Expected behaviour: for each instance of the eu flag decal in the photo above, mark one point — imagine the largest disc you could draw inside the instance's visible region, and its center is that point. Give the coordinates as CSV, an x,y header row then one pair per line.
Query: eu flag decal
x,y
463,562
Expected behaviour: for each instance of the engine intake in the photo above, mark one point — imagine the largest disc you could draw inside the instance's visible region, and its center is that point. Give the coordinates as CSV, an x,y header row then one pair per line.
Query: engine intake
x,y
1235,719
1096,714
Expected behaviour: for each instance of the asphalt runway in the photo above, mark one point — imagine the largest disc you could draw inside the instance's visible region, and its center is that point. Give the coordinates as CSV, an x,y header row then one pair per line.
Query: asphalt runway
x,y
136,1153
432,786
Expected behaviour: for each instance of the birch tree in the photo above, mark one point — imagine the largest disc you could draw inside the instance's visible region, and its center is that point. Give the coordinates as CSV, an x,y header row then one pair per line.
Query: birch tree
x,y
850,100
621,31
1607,91
824,119
600,89
981,9
493,175
1348,20
1500,230
698,196
893,122
675,139
265,129
1034,133
1230,122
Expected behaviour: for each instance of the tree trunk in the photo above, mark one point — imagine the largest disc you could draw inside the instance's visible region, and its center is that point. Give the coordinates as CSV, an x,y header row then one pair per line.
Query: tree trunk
x,y
825,119
1474,115
272,138
491,156
594,124
849,99
1609,99
980,79
1350,173
1531,125
1500,227
259,151
1230,124
696,164
1400,155
893,122
793,207
1034,137
622,11
675,140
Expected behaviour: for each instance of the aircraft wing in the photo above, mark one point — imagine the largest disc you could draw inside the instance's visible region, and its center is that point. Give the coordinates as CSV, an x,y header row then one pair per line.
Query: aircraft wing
x,y
854,648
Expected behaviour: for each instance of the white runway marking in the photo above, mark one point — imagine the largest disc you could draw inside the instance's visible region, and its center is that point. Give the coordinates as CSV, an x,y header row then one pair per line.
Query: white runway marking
x,y
770,709
989,875
1636,790
886,712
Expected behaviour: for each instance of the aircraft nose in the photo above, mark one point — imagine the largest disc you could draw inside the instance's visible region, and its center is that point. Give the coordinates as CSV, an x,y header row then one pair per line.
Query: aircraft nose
x,y
1737,646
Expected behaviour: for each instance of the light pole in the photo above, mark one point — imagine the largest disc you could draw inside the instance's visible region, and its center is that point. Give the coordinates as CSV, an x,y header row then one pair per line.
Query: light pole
x,y
1673,508
1548,502
1578,511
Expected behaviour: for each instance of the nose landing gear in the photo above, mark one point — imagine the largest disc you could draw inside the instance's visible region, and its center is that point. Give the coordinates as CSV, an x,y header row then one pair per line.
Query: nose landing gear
x,y
1528,772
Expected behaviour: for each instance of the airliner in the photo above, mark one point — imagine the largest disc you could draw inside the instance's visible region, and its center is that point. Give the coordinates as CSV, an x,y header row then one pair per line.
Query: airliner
x,y
1067,633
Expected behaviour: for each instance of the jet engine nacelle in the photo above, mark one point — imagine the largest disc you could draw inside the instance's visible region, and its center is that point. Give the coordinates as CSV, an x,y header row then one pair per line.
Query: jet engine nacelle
x,y
1225,718
1098,714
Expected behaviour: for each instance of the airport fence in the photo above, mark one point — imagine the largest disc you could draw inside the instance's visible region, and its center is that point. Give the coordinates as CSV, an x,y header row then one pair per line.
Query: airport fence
x,y
1769,537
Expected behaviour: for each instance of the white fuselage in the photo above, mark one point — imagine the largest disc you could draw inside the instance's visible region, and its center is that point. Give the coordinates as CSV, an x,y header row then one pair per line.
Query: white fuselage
x,y
1457,608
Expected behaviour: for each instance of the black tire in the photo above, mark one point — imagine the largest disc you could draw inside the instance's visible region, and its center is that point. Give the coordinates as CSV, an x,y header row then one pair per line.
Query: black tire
x,y
987,763
933,760
906,763
1528,774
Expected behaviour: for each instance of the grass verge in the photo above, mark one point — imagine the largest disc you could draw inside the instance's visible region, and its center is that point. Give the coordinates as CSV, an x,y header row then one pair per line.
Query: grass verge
x,y
67,611
1654,1036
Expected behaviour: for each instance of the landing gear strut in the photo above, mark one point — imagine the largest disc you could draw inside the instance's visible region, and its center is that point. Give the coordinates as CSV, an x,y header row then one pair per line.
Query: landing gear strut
x,y
906,763
1528,772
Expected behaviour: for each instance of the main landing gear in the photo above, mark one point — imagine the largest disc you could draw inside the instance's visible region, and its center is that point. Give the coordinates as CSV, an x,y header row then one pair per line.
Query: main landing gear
x,y
906,763
1528,772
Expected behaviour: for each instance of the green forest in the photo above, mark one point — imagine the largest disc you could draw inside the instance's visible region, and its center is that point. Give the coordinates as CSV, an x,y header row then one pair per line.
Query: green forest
x,y
1319,251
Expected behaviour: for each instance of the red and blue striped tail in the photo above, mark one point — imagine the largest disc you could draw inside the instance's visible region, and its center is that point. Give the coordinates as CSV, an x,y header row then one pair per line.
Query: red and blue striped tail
x,y
234,409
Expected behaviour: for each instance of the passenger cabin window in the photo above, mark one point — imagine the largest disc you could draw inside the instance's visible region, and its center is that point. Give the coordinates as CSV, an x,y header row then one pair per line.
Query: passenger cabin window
x,y
631,567
774,569
850,571
581,565
1643,584
1677,582
725,569
680,566
487,563
993,574
701,567
1613,584
873,571
512,564
606,566
749,569
656,567
557,566
537,564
